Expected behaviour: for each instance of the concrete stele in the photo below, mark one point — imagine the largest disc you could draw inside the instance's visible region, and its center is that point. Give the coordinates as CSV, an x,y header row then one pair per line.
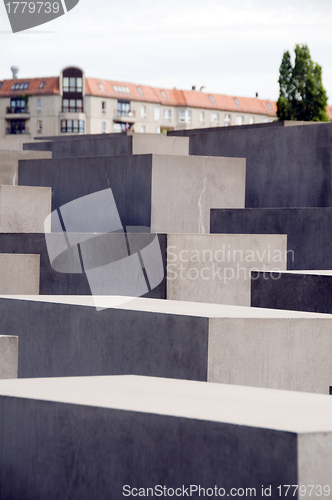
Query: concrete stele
x,y
146,432
19,274
8,356
9,163
24,209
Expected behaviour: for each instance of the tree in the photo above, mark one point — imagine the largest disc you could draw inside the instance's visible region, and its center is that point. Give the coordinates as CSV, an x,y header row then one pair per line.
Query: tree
x,y
301,92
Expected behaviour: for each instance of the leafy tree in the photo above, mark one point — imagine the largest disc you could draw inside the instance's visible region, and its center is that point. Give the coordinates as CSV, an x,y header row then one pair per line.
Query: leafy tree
x,y
301,92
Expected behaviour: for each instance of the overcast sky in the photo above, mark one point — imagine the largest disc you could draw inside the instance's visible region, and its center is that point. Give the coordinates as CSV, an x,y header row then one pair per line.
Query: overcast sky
x,y
231,47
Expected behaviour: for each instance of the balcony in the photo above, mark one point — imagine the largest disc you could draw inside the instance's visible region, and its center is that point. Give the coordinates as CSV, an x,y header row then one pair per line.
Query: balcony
x,y
14,113
18,131
122,116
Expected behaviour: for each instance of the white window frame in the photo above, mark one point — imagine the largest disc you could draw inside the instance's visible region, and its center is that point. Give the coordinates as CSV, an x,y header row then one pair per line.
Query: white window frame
x,y
157,113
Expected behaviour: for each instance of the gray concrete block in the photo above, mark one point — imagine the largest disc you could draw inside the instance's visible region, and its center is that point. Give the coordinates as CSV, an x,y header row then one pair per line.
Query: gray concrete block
x,y
286,166
68,336
168,192
9,163
53,282
83,438
19,274
293,290
8,356
24,209
112,144
216,268
309,243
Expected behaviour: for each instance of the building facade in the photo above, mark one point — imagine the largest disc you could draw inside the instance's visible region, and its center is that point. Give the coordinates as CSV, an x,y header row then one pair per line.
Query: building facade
x,y
72,103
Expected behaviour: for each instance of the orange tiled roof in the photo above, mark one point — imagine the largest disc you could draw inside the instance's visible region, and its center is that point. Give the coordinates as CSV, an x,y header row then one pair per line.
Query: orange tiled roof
x,y
51,86
329,112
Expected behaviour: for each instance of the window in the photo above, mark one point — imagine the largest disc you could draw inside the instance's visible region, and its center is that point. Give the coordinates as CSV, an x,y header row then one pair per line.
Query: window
x,y
39,105
17,105
42,85
72,126
156,113
101,87
72,84
103,127
164,95
211,99
72,106
143,129
16,127
103,106
140,90
39,126
269,106
167,114
143,111
264,120
214,117
123,108
157,130
185,116
239,120
1,84
20,86
227,117
236,101
252,120
120,88
202,116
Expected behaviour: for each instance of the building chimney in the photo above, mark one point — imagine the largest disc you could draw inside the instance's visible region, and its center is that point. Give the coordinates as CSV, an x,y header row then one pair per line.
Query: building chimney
x,y
15,70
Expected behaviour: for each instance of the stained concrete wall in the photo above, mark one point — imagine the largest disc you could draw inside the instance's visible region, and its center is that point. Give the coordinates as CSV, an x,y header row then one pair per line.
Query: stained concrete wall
x,y
297,291
24,209
68,336
286,166
19,274
8,356
132,431
60,283
216,268
170,193
309,243
113,144
9,163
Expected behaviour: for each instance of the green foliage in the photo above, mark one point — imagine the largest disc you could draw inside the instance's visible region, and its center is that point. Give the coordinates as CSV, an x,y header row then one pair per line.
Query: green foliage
x,y
301,92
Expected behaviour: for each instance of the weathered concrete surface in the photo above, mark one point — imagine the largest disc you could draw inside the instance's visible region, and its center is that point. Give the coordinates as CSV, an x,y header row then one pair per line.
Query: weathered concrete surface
x,y
168,192
60,283
286,166
14,143
139,432
216,268
293,290
8,356
24,209
9,163
113,144
309,242
19,274
67,336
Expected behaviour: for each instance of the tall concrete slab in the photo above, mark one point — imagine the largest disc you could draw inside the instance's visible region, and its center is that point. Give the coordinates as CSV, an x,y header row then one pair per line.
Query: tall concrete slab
x,y
19,274
139,436
293,290
112,144
286,166
170,192
24,209
216,268
71,336
9,163
309,240
8,356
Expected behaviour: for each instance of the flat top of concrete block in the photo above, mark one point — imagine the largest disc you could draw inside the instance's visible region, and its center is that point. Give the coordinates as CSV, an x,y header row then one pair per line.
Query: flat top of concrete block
x,y
197,309
288,411
317,272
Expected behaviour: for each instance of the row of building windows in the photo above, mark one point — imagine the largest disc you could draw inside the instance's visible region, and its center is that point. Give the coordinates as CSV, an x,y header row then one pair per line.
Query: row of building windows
x,y
72,84
72,126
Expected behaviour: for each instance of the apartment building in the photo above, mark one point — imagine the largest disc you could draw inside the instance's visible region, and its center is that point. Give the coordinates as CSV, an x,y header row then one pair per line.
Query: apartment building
x,y
72,103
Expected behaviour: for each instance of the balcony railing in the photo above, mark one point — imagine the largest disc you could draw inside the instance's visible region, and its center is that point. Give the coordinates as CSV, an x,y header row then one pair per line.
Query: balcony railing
x,y
123,112
16,131
16,110
72,109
